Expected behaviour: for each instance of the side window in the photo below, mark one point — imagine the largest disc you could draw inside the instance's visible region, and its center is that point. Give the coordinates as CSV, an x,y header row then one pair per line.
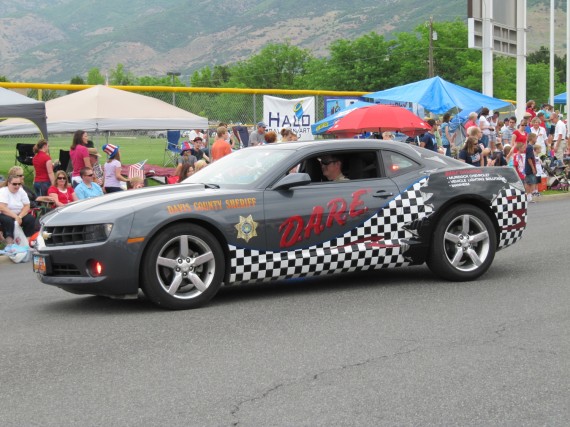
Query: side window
x,y
396,164
341,166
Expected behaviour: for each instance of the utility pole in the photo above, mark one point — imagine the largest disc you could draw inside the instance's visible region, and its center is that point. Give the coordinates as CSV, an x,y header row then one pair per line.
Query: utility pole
x,y
173,74
430,57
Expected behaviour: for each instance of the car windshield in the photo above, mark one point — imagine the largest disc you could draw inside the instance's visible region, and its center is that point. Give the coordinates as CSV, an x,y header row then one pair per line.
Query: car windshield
x,y
241,168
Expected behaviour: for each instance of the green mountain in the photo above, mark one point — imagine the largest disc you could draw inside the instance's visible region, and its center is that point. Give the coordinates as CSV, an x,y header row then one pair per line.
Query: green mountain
x,y
56,40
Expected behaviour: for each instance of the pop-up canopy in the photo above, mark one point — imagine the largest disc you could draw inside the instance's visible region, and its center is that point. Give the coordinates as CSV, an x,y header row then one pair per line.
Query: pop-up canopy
x,y
101,108
13,104
437,96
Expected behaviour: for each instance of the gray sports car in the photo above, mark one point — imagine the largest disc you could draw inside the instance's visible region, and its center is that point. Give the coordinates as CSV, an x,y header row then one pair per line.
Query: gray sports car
x,y
285,211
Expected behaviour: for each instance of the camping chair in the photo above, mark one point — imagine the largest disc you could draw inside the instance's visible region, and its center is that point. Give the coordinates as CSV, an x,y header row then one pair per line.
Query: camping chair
x,y
25,156
64,161
172,150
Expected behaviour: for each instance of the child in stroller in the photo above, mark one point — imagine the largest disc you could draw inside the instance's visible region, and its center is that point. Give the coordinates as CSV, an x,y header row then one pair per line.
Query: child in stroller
x,y
556,173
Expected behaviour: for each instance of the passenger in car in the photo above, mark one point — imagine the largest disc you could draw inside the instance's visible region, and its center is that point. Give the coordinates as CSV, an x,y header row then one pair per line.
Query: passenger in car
x,y
332,168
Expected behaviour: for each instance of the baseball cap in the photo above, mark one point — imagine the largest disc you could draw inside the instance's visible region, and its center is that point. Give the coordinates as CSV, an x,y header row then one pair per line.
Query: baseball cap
x,y
261,125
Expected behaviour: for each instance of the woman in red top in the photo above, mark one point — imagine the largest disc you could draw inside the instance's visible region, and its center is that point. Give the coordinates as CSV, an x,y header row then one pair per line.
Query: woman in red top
x,y
79,155
43,167
530,109
519,135
61,192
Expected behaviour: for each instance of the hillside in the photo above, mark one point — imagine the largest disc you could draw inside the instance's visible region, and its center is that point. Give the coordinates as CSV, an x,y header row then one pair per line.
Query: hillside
x,y
53,41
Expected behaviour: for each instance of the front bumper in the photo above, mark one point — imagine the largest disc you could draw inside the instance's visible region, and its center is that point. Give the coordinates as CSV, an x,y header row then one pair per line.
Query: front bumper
x,y
70,267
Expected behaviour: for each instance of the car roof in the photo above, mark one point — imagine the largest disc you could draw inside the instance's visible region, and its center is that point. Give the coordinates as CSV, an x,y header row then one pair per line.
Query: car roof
x,y
428,157
340,144
324,144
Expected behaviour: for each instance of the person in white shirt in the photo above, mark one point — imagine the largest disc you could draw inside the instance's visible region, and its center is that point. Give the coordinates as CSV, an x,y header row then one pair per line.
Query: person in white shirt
x,y
15,209
559,139
493,122
540,134
483,124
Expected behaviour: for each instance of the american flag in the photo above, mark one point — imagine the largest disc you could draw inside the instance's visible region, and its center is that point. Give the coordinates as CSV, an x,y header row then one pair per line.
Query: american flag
x,y
137,169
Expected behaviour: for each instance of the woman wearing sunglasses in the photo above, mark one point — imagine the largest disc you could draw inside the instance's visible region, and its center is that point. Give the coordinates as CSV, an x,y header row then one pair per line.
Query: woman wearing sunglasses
x,y
15,208
61,192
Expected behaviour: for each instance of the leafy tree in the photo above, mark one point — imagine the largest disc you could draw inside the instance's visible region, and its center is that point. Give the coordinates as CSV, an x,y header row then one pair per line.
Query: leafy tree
x,y
120,77
77,80
94,77
202,78
155,81
4,79
208,78
221,75
275,66
504,77
361,64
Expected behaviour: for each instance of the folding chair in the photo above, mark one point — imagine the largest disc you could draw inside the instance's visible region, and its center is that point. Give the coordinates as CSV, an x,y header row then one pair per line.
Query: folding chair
x,y
25,156
172,150
64,161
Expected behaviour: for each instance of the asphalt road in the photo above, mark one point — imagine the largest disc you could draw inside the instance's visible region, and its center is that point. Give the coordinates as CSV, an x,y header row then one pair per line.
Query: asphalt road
x,y
388,348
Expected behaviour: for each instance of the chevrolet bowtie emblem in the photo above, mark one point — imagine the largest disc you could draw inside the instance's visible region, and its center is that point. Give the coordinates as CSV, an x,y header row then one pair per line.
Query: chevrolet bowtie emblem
x,y
46,235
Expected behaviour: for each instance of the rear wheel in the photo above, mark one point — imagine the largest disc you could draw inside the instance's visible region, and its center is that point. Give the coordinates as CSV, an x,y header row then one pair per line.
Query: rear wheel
x,y
463,245
183,267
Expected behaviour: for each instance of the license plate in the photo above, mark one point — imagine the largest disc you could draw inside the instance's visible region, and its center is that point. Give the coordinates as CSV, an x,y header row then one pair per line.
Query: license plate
x,y
40,264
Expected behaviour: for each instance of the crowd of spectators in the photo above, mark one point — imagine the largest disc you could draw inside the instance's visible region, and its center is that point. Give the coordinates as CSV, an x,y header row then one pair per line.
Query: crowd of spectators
x,y
488,140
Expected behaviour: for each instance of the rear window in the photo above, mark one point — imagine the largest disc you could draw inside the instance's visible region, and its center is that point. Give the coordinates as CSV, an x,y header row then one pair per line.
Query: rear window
x,y
397,164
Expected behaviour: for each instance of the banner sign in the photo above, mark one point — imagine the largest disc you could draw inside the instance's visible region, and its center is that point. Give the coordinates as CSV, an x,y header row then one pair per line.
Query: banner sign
x,y
297,114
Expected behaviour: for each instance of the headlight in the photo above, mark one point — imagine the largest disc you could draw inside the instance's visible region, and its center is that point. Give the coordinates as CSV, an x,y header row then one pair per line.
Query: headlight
x,y
97,232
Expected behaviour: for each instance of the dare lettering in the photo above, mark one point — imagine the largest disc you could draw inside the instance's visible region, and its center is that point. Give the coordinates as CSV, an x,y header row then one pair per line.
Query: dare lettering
x,y
294,229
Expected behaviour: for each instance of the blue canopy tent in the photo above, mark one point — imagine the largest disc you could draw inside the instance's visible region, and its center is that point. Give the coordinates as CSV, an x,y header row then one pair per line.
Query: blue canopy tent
x,y
320,127
560,98
437,96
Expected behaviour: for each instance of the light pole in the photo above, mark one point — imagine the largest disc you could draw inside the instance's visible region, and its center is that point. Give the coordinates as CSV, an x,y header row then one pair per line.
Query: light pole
x,y
173,74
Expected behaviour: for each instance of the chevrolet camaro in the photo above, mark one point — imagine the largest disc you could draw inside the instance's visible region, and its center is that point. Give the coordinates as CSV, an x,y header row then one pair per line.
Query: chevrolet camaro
x,y
282,211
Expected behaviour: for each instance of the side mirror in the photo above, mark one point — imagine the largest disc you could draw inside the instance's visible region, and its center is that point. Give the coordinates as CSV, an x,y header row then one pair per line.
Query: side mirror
x,y
292,180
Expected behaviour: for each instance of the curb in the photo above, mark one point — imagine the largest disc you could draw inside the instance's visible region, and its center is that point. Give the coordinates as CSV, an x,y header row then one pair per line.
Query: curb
x,y
562,195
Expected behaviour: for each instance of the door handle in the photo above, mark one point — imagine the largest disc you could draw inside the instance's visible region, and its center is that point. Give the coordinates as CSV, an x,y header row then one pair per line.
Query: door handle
x,y
382,194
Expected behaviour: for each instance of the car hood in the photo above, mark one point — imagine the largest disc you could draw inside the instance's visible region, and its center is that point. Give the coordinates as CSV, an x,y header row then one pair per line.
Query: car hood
x,y
111,206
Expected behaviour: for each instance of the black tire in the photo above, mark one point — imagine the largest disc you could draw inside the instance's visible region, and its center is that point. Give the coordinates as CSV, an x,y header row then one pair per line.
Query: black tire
x,y
463,244
183,267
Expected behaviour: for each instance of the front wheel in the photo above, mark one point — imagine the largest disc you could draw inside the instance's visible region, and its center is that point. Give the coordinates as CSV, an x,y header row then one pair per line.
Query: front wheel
x,y
183,267
463,245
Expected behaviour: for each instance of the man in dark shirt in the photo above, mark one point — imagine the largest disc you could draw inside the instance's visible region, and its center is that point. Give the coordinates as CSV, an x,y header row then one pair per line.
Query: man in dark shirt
x,y
197,151
428,141
530,179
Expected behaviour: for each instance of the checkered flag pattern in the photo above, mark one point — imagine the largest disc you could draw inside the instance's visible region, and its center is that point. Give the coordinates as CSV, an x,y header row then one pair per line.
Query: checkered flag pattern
x,y
510,206
380,242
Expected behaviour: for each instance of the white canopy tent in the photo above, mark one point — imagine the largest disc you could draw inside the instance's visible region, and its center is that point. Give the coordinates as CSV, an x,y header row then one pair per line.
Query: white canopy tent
x,y
101,109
